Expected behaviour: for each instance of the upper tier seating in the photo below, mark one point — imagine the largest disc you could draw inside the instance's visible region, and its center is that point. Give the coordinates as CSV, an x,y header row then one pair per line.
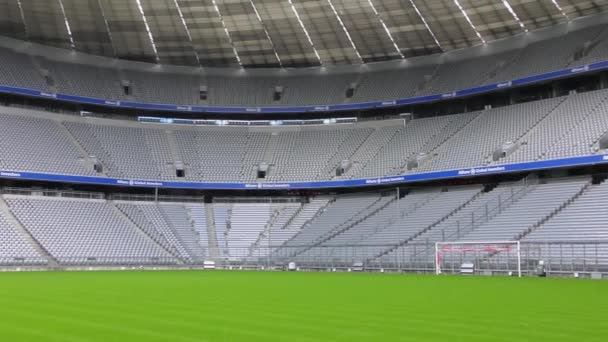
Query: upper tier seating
x,y
547,55
550,138
91,81
476,142
458,75
151,84
18,70
124,149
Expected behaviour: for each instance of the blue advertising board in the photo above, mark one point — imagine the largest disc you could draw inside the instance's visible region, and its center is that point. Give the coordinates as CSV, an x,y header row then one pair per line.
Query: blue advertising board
x,y
401,179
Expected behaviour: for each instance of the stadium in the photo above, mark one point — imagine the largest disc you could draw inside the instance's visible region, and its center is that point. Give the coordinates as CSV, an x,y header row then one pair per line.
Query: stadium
x,y
303,170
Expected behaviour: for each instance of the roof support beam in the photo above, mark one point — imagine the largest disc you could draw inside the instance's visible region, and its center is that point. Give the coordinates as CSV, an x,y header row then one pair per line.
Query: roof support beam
x,y
219,14
388,32
466,16
515,16
286,33
350,39
312,45
23,18
426,24
143,17
107,26
257,14
67,25
560,9
181,17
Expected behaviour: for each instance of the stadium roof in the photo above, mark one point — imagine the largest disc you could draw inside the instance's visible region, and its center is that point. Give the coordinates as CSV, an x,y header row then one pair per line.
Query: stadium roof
x,y
278,33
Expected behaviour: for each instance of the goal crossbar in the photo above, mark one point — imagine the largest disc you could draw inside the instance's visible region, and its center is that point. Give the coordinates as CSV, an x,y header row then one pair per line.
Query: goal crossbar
x,y
471,246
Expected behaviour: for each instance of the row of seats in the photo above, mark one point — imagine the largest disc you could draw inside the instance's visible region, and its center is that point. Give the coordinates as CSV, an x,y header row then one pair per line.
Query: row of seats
x,y
244,230
79,232
401,220
154,222
14,247
574,48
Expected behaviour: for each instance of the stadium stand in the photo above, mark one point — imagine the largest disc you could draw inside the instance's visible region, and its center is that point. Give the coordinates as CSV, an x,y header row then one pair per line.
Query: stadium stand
x,y
77,232
595,50
457,75
374,227
508,212
91,81
18,70
28,143
436,76
14,247
338,213
530,131
295,219
371,227
547,55
476,142
585,214
418,211
538,203
580,229
246,222
549,134
155,222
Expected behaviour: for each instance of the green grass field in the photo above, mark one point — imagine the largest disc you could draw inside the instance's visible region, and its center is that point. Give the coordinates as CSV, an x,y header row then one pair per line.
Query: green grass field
x,y
266,306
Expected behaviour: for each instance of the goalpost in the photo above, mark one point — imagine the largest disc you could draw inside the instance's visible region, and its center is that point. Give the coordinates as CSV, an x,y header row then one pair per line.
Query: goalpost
x,y
503,256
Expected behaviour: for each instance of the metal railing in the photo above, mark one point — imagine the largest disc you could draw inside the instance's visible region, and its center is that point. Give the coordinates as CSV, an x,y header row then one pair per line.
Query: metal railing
x,y
153,198
275,200
582,257
558,257
492,208
51,193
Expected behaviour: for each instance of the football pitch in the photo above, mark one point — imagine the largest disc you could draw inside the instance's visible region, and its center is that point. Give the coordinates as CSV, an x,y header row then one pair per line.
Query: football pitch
x,y
281,306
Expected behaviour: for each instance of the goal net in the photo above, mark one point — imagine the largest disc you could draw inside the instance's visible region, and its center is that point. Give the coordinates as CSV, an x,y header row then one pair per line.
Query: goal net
x,y
503,257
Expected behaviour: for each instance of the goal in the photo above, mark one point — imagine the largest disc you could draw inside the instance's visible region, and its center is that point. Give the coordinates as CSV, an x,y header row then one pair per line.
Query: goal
x,y
487,257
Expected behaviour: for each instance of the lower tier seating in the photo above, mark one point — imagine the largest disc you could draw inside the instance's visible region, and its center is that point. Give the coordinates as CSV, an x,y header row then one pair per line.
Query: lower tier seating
x,y
559,220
